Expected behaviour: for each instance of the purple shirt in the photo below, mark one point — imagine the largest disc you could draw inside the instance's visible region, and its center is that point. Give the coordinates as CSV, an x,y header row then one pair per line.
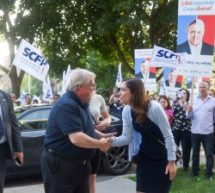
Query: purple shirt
x,y
202,116
169,113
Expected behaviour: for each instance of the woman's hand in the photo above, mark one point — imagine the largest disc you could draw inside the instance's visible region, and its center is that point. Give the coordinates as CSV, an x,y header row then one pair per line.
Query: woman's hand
x,y
105,135
171,170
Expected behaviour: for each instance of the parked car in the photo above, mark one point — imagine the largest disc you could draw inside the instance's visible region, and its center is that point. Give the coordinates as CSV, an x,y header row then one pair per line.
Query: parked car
x,y
33,123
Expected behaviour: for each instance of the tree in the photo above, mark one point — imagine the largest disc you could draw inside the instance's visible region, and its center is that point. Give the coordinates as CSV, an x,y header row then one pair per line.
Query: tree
x,y
68,31
8,31
114,28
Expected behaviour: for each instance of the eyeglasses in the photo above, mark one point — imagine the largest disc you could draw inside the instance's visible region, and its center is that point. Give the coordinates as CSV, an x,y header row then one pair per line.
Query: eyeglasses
x,y
92,85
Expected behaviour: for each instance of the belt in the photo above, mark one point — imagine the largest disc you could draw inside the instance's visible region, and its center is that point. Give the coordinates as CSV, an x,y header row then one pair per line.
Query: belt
x,y
82,161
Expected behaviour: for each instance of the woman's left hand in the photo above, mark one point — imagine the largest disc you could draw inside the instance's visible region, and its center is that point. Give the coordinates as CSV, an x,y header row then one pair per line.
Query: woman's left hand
x,y
171,170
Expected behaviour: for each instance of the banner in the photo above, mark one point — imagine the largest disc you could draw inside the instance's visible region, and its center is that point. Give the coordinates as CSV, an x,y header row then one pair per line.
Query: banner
x,y
143,70
162,57
196,33
30,60
119,76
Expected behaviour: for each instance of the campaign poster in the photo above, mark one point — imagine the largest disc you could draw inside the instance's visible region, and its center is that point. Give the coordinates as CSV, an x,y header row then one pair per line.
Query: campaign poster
x,y
171,82
143,70
196,35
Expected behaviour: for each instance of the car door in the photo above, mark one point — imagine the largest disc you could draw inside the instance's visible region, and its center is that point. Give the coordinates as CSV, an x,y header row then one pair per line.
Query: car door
x,y
33,125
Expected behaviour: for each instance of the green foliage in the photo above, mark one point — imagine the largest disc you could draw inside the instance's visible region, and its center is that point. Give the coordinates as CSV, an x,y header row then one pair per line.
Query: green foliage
x,y
185,184
36,86
68,32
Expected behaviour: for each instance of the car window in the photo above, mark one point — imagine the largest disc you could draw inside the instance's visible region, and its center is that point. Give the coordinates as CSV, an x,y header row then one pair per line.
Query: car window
x,y
35,120
35,115
114,119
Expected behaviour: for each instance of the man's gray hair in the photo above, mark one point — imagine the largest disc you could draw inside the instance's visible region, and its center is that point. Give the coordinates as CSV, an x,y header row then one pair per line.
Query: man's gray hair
x,y
80,77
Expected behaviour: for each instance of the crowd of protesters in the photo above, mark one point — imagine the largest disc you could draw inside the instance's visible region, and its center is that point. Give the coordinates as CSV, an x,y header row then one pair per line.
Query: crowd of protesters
x,y
28,99
190,125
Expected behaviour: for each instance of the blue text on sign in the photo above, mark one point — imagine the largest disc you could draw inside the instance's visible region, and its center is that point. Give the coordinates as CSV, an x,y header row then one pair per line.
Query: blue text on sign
x,y
34,56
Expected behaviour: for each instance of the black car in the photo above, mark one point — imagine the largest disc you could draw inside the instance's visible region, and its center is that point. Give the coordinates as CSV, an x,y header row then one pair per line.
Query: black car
x,y
33,123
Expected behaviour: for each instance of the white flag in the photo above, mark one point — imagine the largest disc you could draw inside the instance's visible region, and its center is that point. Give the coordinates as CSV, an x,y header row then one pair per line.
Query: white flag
x,y
21,98
30,60
66,79
119,76
47,90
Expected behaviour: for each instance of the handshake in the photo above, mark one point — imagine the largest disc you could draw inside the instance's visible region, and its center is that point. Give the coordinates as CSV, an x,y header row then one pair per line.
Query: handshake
x,y
106,141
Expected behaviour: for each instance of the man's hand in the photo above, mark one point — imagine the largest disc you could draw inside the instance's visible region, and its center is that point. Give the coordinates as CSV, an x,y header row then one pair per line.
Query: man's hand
x,y
189,108
19,156
101,126
105,145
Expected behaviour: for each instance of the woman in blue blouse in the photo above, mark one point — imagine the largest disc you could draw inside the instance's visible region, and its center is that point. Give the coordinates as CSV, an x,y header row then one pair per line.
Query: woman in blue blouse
x,y
156,156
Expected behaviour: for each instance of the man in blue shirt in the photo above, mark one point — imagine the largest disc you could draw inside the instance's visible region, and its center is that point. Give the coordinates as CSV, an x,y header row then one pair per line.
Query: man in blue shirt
x,y
70,138
202,117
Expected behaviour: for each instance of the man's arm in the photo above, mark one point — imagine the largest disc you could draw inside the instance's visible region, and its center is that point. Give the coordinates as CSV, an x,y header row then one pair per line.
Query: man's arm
x,y
189,112
105,122
100,135
80,139
16,133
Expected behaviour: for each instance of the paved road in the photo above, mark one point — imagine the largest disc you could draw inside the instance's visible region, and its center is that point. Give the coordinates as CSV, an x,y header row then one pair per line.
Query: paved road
x,y
105,183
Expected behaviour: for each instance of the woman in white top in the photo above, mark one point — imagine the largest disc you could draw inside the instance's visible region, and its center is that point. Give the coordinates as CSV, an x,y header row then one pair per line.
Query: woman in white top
x,y
98,109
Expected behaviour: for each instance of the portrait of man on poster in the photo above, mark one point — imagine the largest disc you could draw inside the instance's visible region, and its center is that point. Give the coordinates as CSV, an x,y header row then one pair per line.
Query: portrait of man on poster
x,y
194,43
146,71
172,79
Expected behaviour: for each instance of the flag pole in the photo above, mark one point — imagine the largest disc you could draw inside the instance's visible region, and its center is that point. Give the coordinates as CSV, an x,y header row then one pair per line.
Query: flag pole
x,y
29,84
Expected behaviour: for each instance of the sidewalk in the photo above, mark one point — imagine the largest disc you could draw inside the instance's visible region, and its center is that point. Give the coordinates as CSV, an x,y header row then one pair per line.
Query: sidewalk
x,y
115,184
105,183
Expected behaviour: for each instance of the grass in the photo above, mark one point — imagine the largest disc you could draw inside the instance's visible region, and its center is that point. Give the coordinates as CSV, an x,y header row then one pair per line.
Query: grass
x,y
185,184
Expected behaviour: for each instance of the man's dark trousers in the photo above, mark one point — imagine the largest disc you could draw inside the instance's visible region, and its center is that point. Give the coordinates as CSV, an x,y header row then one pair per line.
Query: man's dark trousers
x,y
62,175
2,166
207,142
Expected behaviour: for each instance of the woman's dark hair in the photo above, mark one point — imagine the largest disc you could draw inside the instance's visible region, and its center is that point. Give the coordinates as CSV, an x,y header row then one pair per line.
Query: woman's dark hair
x,y
187,93
139,100
167,100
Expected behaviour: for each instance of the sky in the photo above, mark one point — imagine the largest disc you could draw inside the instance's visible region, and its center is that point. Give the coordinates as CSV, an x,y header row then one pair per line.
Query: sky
x,y
4,53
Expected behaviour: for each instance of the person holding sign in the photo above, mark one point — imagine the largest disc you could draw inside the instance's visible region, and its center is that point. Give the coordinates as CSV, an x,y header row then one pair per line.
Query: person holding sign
x,y
181,126
202,115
